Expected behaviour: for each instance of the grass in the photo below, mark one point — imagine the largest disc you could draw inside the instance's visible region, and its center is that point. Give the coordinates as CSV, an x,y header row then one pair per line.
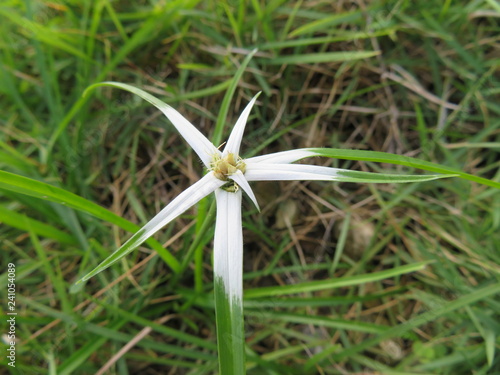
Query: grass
x,y
334,273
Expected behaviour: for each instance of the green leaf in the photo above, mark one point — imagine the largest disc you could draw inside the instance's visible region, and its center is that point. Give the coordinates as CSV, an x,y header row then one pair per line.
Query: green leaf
x,y
333,283
38,189
22,222
383,157
370,177
326,23
320,321
326,57
44,34
224,108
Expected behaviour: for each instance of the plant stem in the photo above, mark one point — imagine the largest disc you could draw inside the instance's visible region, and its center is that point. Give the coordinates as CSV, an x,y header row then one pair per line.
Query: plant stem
x,y
228,290
230,334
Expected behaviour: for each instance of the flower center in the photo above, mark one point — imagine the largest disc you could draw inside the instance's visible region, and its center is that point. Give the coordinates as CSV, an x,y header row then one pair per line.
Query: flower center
x,y
225,167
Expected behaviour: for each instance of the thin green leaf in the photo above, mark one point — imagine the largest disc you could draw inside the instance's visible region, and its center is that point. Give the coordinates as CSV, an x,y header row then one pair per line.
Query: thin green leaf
x,y
44,34
320,321
56,278
20,221
326,57
111,332
383,157
224,108
339,37
333,283
38,189
167,331
326,22
370,177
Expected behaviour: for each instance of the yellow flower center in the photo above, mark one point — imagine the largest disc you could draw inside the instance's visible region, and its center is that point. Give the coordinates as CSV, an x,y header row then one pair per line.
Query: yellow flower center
x,y
225,167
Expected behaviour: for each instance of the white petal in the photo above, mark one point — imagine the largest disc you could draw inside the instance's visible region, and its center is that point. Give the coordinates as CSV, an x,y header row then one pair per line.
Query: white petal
x,y
240,179
200,144
234,141
228,243
284,157
181,203
176,207
282,172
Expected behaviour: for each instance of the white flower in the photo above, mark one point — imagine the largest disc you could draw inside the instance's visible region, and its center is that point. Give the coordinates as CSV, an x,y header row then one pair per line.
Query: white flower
x,y
227,174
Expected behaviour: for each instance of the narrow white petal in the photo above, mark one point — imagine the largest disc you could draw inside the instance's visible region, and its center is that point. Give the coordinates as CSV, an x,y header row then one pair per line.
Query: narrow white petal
x,y
200,144
296,172
240,179
228,243
234,141
176,207
283,157
181,203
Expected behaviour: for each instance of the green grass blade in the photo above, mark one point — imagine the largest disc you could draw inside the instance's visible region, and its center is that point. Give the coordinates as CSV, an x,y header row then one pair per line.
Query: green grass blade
x,y
161,328
326,57
383,157
320,321
43,33
34,188
224,108
370,177
56,279
333,283
20,221
326,22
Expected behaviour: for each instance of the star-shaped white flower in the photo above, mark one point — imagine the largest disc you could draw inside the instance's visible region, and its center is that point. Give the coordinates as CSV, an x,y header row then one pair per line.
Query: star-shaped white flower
x,y
228,174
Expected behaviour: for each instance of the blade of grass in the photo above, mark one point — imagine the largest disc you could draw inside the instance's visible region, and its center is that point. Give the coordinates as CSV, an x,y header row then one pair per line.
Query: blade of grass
x,y
224,108
326,23
167,331
111,332
34,188
383,157
314,58
335,283
339,249
42,33
320,321
56,280
20,221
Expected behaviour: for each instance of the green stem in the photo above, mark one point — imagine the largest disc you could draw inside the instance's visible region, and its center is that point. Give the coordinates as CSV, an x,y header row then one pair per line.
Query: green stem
x,y
228,283
230,334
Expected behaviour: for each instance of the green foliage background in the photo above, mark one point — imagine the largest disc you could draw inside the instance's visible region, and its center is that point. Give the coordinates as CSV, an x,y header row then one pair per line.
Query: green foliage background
x,y
414,78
